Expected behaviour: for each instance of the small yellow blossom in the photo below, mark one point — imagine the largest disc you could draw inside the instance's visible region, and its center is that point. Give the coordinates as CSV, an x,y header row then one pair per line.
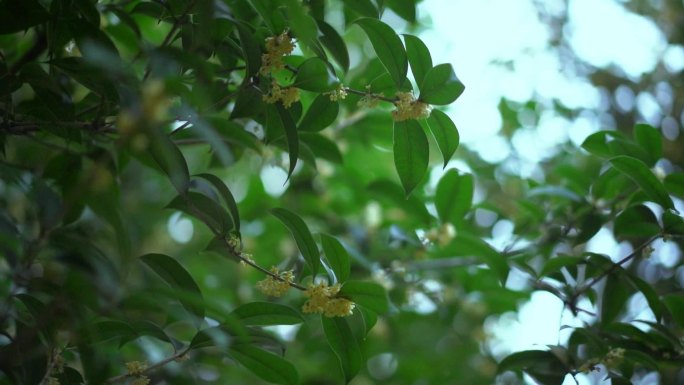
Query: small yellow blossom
x,y
246,257
408,107
338,94
276,48
136,368
323,300
287,96
141,380
276,287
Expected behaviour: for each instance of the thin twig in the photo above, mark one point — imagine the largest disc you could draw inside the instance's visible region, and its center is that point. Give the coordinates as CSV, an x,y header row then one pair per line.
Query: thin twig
x,y
149,368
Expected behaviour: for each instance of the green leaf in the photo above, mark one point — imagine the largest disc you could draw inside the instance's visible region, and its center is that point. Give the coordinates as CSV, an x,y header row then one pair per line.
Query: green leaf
x,y
321,113
205,209
170,159
250,48
644,178
650,294
363,8
314,75
302,235
406,9
394,195
387,46
227,196
344,344
322,147
337,257
637,222
597,143
368,294
17,16
178,278
649,138
411,153
445,133
675,305
112,329
615,295
303,25
674,184
468,245
541,365
557,263
418,56
334,43
265,365
277,116
440,86
267,313
673,223
454,196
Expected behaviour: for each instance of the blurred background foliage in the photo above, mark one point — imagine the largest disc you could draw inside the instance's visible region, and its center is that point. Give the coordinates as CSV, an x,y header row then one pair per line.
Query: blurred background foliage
x,y
98,95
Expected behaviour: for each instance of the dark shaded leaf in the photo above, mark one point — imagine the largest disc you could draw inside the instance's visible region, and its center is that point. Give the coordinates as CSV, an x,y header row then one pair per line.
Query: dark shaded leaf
x,y
265,365
636,221
334,43
314,75
321,113
649,138
170,160
363,8
541,365
227,196
17,16
205,209
178,278
675,305
615,295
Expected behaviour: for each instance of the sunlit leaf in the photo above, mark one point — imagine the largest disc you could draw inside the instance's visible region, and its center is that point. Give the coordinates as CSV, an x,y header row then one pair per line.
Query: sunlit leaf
x,y
418,56
644,178
440,85
367,294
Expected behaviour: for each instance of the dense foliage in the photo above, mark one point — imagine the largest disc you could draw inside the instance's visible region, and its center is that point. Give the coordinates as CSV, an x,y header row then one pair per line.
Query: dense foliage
x,y
262,191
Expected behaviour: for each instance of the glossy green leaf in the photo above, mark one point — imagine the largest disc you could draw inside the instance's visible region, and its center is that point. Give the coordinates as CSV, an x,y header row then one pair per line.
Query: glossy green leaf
x,y
636,221
644,178
282,120
265,365
650,139
675,305
406,9
387,46
411,153
343,342
205,209
445,133
227,197
674,184
302,236
303,25
334,43
597,143
321,113
314,75
337,257
454,196
250,48
673,223
170,160
440,85
368,294
267,313
178,278
418,56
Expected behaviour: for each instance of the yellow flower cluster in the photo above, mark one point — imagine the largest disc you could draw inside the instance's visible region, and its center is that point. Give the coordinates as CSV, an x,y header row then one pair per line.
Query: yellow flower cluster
x,y
136,368
408,107
323,300
276,48
338,94
287,95
276,287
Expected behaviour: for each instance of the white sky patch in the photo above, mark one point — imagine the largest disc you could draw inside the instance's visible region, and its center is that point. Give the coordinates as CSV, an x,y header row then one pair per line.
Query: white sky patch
x,y
180,228
604,33
274,180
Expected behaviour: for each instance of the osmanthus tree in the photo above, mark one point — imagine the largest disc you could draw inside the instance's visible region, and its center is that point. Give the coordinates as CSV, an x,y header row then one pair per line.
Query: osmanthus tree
x,y
143,240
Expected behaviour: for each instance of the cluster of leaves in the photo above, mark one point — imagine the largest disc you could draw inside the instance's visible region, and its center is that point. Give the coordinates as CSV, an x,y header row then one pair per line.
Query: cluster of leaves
x,y
117,114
